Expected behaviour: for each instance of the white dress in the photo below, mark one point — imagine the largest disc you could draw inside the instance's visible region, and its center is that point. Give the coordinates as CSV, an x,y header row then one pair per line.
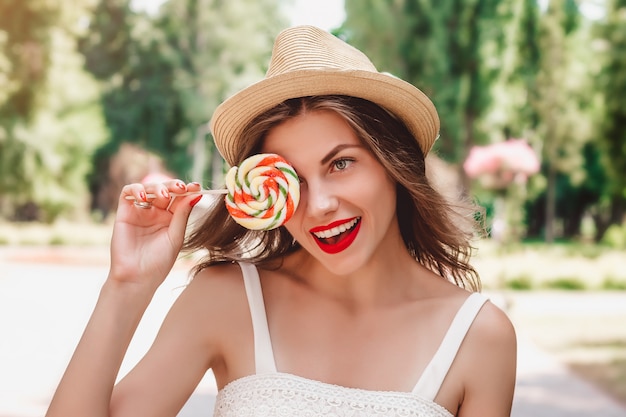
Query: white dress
x,y
272,393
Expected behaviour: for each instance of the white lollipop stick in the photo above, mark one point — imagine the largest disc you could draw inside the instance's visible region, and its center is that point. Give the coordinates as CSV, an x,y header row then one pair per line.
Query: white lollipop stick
x,y
130,197
174,195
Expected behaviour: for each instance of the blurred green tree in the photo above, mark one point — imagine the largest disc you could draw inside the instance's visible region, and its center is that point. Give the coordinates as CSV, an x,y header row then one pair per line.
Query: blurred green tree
x,y
614,122
549,85
563,127
127,54
512,113
25,42
495,70
450,49
221,46
49,115
24,60
164,75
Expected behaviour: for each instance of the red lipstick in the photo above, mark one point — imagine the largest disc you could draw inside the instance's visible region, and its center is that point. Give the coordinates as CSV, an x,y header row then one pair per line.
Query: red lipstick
x,y
342,241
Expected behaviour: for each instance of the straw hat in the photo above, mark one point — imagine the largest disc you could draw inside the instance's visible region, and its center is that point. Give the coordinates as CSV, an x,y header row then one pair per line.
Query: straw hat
x,y
308,61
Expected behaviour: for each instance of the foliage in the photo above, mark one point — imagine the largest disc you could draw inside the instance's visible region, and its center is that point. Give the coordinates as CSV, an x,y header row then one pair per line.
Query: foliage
x,y
521,283
494,68
615,236
24,26
500,69
24,57
449,51
613,284
566,283
164,75
563,125
222,46
139,102
51,121
614,88
524,282
546,93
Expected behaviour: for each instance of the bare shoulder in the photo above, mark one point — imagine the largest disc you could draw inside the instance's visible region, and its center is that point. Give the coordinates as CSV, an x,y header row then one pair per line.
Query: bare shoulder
x,y
215,307
487,364
492,325
491,333
218,277
216,289
211,302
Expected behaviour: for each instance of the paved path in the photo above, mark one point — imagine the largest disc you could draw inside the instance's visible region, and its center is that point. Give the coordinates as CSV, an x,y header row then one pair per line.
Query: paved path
x,y
44,306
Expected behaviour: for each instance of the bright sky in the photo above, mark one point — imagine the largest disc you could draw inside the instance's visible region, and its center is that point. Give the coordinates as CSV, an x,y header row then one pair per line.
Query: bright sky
x,y
326,14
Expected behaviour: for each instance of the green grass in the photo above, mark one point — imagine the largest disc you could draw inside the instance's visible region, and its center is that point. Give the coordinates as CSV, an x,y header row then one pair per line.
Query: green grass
x,y
537,266
566,283
520,283
568,248
613,284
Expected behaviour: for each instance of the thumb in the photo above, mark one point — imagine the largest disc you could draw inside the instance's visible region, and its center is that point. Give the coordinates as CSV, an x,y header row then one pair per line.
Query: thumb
x,y
181,217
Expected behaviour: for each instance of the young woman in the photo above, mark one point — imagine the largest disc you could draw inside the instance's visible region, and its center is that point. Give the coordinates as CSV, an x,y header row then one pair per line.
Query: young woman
x,y
363,304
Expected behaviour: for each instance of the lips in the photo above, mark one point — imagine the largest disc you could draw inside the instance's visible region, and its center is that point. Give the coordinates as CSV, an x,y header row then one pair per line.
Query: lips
x,y
336,236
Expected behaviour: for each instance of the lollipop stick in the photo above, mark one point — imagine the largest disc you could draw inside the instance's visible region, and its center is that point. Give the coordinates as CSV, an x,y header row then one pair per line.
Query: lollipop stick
x,y
174,195
130,197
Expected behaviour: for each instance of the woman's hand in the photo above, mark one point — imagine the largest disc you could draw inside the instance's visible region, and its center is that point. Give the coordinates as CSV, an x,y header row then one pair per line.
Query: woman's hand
x,y
147,240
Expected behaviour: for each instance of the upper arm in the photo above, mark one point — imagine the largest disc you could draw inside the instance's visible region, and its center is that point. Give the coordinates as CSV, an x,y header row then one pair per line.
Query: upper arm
x,y
489,365
186,346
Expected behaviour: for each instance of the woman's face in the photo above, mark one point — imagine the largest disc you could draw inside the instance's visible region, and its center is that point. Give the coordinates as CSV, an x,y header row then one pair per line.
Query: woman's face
x,y
347,209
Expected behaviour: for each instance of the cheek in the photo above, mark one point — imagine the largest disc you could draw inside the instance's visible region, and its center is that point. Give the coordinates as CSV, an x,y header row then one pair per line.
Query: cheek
x,y
293,226
379,188
383,196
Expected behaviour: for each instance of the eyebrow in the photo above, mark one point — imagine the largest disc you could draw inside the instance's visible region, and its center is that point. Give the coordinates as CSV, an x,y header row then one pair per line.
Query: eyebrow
x,y
335,151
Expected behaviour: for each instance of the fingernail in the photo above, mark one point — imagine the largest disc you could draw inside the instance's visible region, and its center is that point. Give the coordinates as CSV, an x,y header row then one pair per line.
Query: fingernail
x,y
195,201
165,194
180,185
143,196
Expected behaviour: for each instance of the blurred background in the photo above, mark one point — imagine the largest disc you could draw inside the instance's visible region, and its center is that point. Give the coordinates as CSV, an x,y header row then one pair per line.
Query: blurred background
x,y
95,94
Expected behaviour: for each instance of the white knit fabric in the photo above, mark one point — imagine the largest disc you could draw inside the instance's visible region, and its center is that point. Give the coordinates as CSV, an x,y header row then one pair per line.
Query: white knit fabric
x,y
286,395
270,393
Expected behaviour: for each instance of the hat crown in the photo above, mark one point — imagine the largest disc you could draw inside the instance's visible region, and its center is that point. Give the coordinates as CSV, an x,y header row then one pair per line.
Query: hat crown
x,y
310,48
308,61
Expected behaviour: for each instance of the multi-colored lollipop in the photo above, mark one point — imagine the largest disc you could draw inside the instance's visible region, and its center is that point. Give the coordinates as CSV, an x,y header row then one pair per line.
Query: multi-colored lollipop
x,y
263,192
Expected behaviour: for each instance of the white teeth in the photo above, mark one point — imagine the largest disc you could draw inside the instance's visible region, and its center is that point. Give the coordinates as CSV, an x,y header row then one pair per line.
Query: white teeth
x,y
325,234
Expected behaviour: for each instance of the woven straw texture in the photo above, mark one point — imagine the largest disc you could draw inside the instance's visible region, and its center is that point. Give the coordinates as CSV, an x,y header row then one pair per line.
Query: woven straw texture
x,y
307,61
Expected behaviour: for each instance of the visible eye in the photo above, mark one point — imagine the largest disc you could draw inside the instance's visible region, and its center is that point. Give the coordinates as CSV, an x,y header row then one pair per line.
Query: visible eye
x,y
341,164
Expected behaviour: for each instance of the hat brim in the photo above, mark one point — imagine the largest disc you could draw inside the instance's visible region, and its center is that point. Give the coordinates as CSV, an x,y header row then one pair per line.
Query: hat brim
x,y
399,97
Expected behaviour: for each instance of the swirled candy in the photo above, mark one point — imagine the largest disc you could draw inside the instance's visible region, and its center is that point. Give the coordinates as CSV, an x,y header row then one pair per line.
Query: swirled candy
x,y
263,192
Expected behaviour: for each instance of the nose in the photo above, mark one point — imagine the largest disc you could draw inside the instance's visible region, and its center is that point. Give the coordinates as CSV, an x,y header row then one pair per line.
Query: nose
x,y
321,199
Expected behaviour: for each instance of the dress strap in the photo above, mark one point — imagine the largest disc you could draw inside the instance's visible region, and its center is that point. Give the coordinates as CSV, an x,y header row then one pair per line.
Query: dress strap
x,y
263,353
433,376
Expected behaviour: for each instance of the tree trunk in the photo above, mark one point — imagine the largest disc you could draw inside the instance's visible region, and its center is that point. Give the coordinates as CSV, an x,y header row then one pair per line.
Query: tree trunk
x,y
468,142
550,204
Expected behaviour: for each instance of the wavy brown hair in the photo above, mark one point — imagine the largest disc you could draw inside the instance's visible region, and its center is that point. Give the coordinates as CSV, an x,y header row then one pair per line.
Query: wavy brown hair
x,y
436,232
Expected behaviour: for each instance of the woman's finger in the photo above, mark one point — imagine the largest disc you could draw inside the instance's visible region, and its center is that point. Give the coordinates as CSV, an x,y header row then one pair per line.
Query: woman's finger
x,y
134,192
176,196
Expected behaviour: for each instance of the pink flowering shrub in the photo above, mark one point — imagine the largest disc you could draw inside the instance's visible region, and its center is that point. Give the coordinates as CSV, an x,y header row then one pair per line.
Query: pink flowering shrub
x,y
499,164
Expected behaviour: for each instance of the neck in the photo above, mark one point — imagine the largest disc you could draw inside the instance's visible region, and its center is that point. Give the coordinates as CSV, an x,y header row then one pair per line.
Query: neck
x,y
385,279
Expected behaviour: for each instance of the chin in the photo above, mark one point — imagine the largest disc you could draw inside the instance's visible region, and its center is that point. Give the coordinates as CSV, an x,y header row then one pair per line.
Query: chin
x,y
342,265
